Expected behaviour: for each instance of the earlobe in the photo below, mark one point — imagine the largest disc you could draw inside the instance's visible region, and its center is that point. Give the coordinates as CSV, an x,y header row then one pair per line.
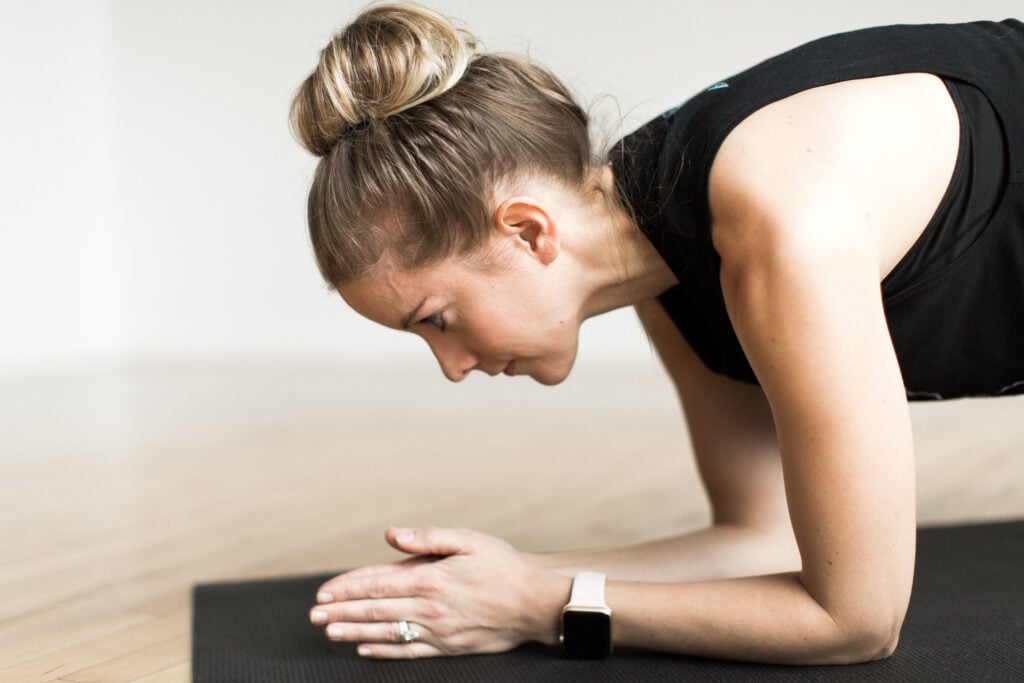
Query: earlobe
x,y
525,220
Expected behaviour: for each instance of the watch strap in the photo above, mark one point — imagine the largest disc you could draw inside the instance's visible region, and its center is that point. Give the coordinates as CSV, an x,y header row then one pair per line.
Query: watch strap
x,y
588,590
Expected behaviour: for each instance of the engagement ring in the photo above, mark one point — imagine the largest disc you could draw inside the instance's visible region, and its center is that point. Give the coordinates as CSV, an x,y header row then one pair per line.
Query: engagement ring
x,y
406,633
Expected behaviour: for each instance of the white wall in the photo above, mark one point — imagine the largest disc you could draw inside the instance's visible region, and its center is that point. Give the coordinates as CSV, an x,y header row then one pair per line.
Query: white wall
x,y
61,263
151,199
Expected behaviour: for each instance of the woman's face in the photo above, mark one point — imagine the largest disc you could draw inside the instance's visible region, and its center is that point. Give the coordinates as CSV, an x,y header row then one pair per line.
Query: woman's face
x,y
515,315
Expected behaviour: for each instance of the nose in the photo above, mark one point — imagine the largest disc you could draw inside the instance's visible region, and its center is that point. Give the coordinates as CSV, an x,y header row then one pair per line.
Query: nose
x,y
456,362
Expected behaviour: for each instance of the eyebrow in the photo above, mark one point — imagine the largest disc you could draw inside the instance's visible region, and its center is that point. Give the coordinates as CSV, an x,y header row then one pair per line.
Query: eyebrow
x,y
412,314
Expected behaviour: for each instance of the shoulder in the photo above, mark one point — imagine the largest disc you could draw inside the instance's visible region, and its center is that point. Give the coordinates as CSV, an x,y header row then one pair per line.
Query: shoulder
x,y
854,160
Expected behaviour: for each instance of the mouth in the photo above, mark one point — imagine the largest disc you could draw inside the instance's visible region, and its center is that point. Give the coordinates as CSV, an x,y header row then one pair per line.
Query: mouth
x,y
510,369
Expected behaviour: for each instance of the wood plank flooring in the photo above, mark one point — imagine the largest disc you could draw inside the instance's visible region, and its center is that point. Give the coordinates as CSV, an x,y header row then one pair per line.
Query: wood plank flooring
x,y
120,490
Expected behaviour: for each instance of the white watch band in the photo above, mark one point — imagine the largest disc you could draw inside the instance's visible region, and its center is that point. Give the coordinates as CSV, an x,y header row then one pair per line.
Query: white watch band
x,y
588,590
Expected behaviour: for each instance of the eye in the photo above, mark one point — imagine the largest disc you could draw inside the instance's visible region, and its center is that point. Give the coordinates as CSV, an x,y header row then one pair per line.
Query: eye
x,y
437,320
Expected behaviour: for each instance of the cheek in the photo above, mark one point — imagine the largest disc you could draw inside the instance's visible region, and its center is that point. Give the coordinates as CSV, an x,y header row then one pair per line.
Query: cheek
x,y
525,326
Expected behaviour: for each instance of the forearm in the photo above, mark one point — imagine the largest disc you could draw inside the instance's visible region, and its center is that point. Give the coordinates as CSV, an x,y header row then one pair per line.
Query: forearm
x,y
716,552
727,592
769,619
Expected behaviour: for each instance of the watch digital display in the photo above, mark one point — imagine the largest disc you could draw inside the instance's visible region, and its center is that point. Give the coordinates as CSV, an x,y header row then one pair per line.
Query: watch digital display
x,y
587,634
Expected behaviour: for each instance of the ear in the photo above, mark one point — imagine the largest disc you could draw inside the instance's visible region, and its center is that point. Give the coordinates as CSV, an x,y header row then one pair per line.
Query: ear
x,y
527,221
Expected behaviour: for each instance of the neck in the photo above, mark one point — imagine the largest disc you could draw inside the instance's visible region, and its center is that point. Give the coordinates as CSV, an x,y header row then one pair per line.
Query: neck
x,y
622,266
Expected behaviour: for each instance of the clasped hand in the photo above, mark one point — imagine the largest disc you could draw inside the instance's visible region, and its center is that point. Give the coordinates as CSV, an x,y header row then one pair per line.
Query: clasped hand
x,y
461,592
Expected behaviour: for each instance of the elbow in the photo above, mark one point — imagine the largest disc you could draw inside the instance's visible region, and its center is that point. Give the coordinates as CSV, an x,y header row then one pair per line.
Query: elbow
x,y
868,640
864,624
877,643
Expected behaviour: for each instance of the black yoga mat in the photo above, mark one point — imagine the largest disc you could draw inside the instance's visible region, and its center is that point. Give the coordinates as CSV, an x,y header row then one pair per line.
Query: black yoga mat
x,y
966,622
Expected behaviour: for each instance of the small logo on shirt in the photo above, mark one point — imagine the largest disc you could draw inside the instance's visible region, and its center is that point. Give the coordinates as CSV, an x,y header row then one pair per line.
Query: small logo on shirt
x,y
671,112
721,85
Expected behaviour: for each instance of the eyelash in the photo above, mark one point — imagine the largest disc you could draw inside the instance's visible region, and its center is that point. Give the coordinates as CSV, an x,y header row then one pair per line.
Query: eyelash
x,y
437,320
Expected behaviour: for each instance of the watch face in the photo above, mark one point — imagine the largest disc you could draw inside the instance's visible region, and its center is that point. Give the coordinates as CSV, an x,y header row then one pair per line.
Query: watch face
x,y
587,634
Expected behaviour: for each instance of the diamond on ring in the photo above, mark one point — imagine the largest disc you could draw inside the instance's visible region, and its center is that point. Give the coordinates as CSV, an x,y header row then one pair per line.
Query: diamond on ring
x,y
406,633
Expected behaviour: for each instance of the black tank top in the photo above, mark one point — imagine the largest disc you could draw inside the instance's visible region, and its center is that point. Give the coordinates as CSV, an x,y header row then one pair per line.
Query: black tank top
x,y
955,302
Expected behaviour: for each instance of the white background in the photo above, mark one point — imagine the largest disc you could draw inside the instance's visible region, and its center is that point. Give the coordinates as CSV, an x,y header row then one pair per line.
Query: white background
x,y
152,199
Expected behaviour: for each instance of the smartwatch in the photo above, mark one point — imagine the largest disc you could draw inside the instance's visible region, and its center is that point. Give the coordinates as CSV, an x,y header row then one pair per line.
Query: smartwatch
x,y
587,620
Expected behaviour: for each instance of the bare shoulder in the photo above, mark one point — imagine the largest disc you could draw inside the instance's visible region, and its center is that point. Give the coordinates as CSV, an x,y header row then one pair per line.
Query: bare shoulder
x,y
864,160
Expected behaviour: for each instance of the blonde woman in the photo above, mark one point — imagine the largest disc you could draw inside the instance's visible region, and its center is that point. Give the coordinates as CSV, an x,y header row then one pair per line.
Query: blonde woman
x,y
808,244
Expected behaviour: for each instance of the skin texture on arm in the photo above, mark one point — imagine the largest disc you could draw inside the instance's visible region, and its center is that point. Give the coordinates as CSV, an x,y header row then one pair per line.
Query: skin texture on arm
x,y
812,324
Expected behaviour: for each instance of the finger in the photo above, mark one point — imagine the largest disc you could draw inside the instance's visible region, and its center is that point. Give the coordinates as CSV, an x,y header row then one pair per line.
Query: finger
x,y
366,611
381,585
326,594
415,650
373,569
388,633
431,540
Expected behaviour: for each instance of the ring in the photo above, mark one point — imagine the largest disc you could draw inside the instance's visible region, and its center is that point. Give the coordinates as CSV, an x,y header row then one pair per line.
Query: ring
x,y
406,633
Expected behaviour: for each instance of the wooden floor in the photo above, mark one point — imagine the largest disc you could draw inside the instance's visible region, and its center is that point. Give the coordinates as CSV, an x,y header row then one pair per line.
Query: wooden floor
x,y
120,491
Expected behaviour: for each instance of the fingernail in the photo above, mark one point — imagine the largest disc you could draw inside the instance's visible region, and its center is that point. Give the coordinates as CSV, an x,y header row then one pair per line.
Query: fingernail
x,y
324,596
335,631
364,651
404,536
318,617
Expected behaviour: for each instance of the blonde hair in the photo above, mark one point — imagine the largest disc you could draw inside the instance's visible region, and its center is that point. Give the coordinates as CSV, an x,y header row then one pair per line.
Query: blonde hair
x,y
415,128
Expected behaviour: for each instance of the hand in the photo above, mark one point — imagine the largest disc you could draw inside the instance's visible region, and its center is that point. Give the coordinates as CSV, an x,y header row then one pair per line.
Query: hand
x,y
462,591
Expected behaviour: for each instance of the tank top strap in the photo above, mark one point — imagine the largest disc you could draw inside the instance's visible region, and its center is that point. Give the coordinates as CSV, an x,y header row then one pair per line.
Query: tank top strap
x,y
996,66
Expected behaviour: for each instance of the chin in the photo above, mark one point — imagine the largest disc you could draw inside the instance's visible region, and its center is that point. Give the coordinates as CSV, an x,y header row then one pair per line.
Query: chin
x,y
552,378
550,382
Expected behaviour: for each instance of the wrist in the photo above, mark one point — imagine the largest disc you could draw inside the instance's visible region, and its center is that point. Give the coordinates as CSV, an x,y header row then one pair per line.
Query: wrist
x,y
560,563
549,592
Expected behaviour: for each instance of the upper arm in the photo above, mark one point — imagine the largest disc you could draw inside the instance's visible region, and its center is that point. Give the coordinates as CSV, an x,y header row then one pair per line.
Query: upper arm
x,y
731,429
800,277
813,328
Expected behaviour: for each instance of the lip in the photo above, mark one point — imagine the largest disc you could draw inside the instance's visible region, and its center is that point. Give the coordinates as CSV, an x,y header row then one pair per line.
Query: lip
x,y
510,369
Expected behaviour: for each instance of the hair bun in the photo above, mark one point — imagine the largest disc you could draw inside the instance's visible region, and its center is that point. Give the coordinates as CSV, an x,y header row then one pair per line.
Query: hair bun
x,y
391,58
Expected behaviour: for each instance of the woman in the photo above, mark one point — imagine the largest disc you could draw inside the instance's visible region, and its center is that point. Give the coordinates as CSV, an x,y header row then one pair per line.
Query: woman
x,y
808,244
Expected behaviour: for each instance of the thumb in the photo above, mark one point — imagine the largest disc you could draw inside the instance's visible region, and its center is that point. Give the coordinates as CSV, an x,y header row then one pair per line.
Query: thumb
x,y
430,541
